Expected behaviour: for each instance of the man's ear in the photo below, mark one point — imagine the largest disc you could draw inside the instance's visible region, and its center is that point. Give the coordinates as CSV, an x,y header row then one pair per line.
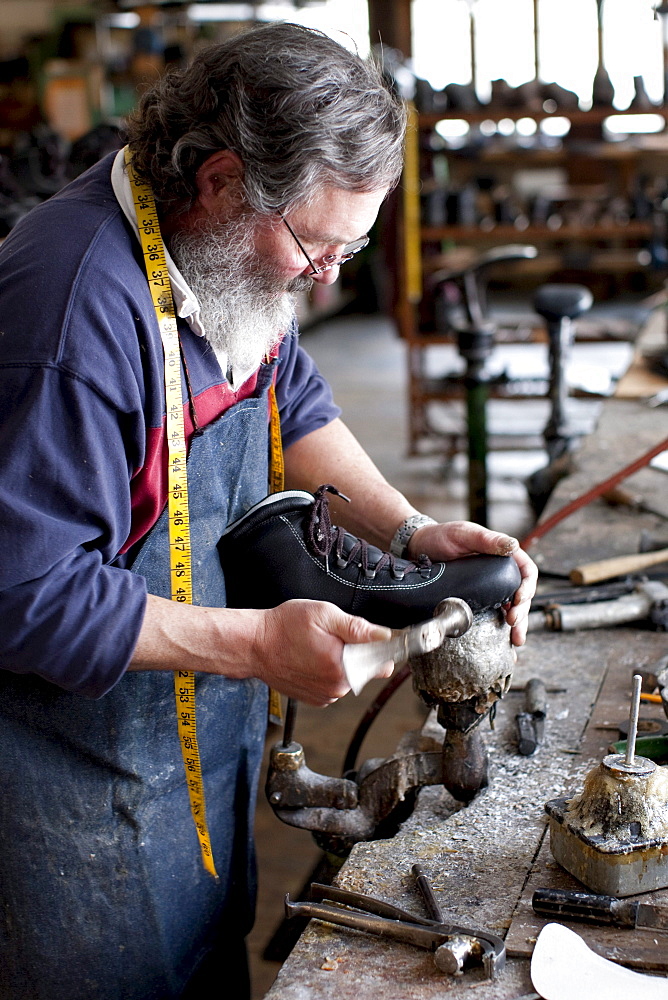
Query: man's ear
x,y
220,182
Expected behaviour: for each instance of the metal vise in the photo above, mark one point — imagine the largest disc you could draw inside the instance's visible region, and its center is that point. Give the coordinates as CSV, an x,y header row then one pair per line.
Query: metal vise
x,y
461,681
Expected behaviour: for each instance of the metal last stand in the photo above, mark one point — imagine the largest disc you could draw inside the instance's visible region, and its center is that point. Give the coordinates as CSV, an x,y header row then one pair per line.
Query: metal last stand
x,y
475,343
558,306
461,681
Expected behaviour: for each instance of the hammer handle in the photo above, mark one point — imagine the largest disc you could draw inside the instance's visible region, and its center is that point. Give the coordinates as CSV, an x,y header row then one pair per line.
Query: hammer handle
x,y
606,569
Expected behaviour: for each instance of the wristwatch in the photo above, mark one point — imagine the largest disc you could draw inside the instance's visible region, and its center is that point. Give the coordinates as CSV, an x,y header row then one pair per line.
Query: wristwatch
x,y
405,532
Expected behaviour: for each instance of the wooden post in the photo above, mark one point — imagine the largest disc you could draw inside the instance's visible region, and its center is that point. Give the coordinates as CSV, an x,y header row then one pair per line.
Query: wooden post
x,y
390,24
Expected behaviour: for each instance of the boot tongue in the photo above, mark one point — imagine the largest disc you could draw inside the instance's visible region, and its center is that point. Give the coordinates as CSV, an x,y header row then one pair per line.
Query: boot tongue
x,y
373,555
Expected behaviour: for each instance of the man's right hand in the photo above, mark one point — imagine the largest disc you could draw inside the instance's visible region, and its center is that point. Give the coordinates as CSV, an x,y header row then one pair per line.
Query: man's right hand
x,y
296,648
299,647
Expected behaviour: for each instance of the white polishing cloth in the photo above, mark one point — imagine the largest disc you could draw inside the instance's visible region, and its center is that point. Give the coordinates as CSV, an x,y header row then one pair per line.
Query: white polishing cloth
x,y
564,968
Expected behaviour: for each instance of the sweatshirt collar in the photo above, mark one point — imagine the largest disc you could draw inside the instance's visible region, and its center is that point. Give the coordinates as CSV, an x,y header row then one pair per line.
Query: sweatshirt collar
x,y
185,301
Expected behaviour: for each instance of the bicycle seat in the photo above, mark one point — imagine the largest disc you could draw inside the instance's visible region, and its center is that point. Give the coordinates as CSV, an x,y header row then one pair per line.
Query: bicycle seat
x,y
555,302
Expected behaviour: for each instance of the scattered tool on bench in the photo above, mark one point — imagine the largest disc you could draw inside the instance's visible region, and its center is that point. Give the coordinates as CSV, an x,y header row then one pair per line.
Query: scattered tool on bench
x,y
585,595
648,602
608,569
531,722
613,836
652,738
454,946
567,904
619,496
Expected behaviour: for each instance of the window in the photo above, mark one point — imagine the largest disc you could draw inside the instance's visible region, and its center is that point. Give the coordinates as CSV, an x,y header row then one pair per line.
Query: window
x,y
567,53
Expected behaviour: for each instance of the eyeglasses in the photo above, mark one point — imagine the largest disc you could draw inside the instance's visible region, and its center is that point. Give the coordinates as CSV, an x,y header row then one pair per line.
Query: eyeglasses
x,y
331,259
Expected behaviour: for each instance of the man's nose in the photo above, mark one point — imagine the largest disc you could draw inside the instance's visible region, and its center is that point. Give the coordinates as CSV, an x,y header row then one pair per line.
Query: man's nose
x,y
327,277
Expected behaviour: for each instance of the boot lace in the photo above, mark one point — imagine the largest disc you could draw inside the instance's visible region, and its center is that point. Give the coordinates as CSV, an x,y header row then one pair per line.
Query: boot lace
x,y
327,541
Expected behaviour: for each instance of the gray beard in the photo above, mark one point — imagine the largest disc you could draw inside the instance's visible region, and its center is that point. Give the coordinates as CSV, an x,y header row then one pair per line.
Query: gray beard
x,y
245,305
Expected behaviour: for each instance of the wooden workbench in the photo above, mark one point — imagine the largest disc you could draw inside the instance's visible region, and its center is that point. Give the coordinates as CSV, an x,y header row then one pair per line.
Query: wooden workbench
x,y
485,859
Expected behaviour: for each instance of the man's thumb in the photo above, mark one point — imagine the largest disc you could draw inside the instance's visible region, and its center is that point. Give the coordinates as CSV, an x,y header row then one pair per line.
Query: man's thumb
x,y
360,630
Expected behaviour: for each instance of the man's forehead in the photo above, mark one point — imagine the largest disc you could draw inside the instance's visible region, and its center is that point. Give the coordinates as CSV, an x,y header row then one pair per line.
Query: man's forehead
x,y
314,235
337,216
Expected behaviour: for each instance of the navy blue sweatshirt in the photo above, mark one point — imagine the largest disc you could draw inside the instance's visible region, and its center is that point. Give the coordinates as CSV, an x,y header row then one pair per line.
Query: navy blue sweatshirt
x,y
82,432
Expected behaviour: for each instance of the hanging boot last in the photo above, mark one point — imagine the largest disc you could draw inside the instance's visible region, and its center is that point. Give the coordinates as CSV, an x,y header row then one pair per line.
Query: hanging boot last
x,y
286,547
603,91
641,101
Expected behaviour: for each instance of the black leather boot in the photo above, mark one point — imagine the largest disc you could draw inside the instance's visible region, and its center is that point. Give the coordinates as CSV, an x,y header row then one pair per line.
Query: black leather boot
x,y
285,547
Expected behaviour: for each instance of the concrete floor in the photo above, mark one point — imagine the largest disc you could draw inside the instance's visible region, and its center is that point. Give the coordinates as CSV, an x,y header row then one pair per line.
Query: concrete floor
x,y
365,362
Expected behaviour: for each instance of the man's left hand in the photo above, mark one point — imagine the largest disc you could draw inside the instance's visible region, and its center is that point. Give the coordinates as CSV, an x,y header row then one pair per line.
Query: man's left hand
x,y
455,539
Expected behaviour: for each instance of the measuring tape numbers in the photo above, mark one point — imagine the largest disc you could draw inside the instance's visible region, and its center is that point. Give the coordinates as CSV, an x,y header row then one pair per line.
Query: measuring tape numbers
x,y
180,561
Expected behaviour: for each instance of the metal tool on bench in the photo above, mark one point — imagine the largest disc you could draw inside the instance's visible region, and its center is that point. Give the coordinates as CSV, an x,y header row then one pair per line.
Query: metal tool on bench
x,y
648,602
619,496
613,836
531,721
660,669
453,945
461,680
567,904
652,733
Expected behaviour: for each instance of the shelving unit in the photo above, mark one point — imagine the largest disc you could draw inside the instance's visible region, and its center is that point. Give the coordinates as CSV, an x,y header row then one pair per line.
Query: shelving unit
x,y
597,228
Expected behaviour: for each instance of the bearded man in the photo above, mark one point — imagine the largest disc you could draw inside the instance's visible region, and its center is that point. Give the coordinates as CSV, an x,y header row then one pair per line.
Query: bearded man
x,y
268,160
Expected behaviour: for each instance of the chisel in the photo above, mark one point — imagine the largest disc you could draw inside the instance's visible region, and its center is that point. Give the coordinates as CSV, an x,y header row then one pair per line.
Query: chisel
x,y
567,904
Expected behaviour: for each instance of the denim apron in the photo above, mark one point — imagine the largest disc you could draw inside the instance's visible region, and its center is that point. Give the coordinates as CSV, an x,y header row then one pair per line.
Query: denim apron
x,y
104,895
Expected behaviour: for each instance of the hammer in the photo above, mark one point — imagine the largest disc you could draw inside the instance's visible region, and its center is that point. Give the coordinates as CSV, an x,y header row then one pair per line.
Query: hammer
x,y
362,660
606,569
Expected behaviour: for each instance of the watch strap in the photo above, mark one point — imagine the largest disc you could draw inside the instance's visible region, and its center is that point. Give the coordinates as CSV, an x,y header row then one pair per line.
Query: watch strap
x,y
405,532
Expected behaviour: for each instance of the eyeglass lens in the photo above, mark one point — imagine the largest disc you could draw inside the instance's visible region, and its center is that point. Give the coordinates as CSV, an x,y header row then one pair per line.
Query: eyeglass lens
x,y
348,251
329,259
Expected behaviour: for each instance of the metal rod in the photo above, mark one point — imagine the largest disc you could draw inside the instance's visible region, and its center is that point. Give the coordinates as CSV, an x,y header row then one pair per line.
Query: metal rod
x,y
633,721
477,392
290,716
427,894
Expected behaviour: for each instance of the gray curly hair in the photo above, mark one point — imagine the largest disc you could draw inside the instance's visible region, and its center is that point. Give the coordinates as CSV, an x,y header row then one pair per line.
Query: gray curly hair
x,y
299,110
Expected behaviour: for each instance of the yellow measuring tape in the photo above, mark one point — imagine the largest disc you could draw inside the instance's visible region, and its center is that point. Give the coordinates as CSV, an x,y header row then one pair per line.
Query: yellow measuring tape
x,y
276,484
411,208
177,486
